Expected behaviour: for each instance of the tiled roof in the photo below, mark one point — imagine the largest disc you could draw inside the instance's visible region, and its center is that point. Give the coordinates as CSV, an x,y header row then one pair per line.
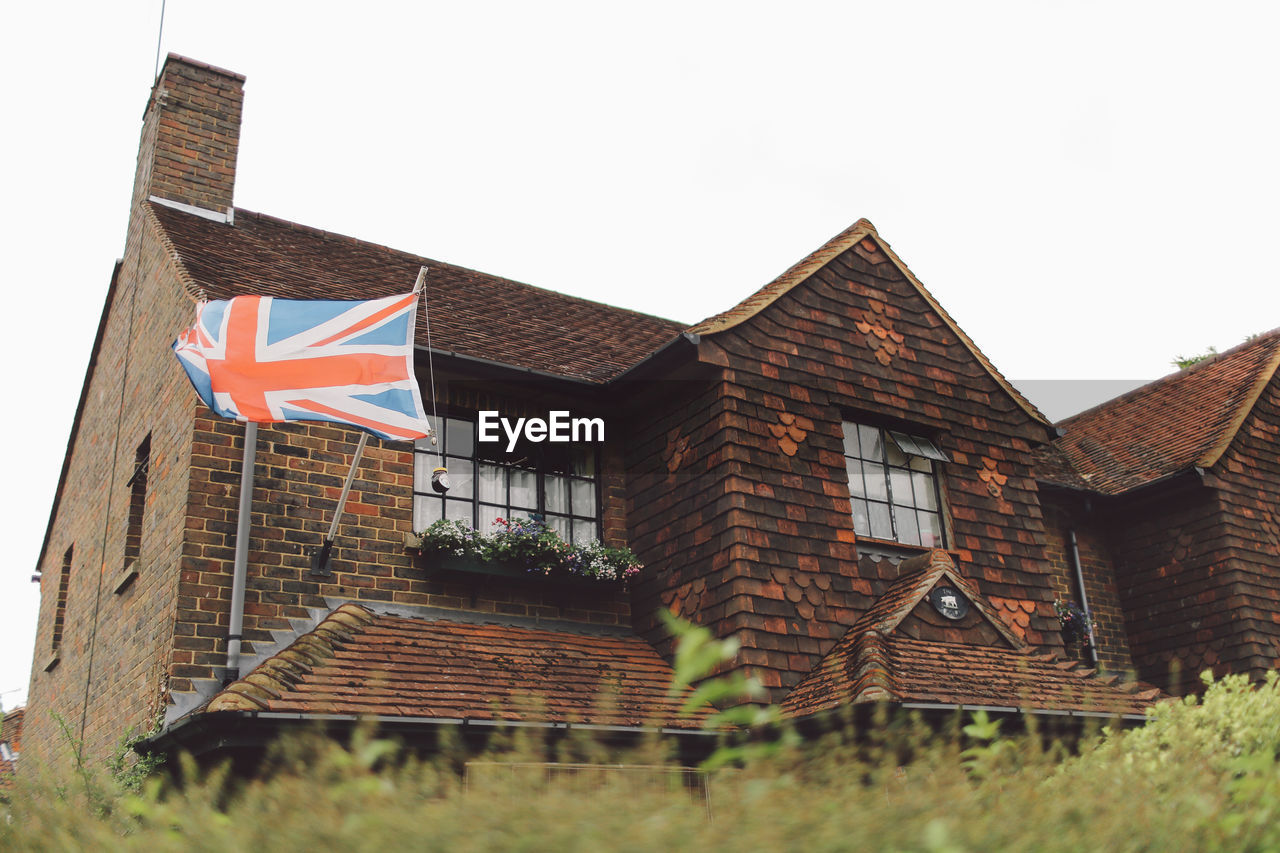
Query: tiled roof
x,y
833,248
1185,420
11,734
472,314
11,729
360,662
873,662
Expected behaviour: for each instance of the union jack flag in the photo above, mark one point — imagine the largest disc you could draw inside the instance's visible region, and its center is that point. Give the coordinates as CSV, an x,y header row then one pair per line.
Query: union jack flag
x,y
268,360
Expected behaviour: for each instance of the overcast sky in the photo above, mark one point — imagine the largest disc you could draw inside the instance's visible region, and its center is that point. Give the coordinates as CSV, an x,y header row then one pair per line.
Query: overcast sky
x,y
1089,188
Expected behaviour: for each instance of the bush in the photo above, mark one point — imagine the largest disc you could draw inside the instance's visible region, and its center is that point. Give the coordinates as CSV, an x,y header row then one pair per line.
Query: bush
x,y
1202,776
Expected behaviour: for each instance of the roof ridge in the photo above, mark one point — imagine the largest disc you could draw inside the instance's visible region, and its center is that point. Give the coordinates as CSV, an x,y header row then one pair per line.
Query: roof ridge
x,y
1177,375
254,691
429,262
809,265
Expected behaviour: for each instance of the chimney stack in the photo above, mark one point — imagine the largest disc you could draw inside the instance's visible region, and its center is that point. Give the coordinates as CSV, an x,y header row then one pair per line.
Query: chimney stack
x,y
190,135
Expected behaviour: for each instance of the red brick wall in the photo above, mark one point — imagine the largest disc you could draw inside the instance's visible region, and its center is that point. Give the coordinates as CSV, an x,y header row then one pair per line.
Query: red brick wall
x,y
1063,514
758,542
191,136
299,475
136,389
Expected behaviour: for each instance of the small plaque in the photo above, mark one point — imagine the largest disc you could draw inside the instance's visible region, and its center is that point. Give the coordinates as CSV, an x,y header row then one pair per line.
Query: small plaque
x,y
948,601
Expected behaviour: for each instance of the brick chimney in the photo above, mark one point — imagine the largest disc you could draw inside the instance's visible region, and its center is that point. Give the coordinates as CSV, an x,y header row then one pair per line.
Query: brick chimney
x,y
190,135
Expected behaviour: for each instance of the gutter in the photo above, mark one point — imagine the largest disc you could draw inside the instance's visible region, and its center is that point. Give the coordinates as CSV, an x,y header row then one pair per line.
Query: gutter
x,y
684,339
1084,596
220,729
499,365
1040,712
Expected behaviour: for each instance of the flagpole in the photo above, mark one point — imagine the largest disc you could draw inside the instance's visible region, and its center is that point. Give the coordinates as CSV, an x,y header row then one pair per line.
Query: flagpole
x,y
242,552
320,560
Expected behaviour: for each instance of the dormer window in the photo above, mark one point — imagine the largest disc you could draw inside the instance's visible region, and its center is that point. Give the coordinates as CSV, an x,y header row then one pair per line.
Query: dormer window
x,y
557,481
893,485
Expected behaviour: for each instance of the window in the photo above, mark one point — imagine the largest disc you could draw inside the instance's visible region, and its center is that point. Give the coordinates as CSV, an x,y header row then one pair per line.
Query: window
x,y
137,502
60,608
893,483
557,481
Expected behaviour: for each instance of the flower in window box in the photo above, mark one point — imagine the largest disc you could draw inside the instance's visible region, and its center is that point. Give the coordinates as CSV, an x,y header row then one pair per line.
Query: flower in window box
x,y
529,544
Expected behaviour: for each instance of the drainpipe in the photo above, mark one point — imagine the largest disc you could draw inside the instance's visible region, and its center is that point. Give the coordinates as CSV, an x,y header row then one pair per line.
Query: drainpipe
x,y
1084,598
242,552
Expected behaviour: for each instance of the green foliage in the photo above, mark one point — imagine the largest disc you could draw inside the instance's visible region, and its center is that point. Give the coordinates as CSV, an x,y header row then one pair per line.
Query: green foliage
x,y
130,768
1182,362
698,655
1203,775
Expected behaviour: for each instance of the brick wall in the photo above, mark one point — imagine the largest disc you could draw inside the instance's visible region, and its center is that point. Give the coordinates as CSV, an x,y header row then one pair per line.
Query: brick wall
x,y
1063,514
135,390
299,476
111,668
191,136
755,537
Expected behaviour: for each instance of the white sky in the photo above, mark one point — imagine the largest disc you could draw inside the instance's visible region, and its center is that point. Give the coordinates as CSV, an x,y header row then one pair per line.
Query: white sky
x,y
1089,188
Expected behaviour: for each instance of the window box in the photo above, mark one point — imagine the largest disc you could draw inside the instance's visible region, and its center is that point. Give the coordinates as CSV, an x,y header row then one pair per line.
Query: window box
x,y
478,566
523,548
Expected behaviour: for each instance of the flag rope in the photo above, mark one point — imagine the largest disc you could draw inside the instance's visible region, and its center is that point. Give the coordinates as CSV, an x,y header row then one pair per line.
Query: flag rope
x,y
420,287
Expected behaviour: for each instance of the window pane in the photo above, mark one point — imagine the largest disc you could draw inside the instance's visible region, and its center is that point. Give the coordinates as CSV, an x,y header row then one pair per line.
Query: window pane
x,y
487,516
422,465
861,518
930,529
908,533
874,477
926,494
919,463
461,478
459,437
881,526
560,525
492,484
458,511
557,494
854,469
584,531
850,439
584,497
900,482
556,458
896,456
426,511
869,437
424,444
524,488
584,461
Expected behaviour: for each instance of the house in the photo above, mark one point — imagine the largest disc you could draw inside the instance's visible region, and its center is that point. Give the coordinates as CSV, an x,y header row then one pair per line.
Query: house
x,y
830,471
10,746
1169,499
